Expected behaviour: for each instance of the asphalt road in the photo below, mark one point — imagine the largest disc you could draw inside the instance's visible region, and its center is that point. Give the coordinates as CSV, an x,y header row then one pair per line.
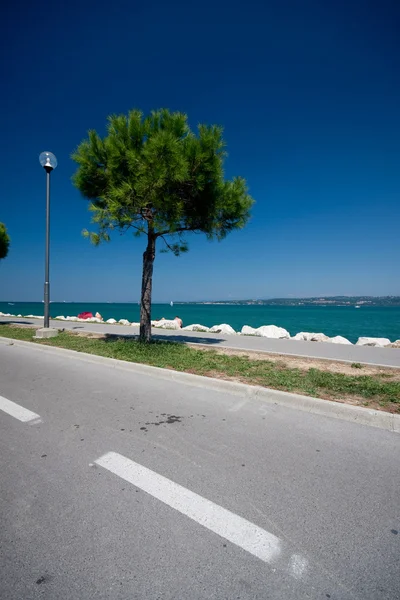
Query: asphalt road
x,y
120,486
389,357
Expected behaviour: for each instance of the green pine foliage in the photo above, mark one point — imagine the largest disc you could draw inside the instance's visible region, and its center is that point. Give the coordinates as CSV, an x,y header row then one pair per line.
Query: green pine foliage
x,y
4,241
155,176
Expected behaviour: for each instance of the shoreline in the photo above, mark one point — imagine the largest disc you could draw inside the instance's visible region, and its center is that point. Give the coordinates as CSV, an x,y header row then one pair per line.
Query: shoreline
x,y
266,331
382,322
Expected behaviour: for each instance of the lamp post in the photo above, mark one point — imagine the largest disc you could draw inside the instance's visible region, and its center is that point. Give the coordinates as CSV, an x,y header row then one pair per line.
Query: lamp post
x,y
48,162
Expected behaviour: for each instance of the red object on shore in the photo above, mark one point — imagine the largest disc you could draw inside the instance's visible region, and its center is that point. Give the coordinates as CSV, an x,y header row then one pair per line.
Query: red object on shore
x,y
85,315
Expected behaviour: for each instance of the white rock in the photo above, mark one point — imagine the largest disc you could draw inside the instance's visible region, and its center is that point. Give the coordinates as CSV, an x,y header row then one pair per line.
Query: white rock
x,y
223,328
61,318
111,321
298,337
319,337
247,330
93,320
272,331
338,339
370,341
196,327
124,322
135,324
311,337
167,324
395,344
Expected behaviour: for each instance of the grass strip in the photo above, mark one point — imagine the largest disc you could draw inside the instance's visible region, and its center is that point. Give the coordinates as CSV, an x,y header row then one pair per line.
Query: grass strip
x,y
376,391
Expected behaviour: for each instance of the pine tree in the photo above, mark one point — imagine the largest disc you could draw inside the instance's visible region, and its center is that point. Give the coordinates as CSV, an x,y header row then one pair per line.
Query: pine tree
x,y
157,177
4,241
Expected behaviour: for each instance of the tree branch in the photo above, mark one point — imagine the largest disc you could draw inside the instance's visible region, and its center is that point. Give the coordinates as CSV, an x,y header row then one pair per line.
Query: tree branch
x,y
166,243
147,213
135,227
179,230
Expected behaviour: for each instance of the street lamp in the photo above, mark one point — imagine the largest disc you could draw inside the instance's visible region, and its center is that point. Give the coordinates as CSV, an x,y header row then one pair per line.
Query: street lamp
x,y
48,162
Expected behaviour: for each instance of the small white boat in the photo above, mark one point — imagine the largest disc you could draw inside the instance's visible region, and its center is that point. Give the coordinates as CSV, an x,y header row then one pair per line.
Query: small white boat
x,y
171,303
357,307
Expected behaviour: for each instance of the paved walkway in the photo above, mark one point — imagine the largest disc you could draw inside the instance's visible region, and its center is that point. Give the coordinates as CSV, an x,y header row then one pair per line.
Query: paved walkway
x,y
387,357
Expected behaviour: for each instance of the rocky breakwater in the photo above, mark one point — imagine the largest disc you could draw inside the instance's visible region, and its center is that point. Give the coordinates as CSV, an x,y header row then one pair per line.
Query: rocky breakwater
x,y
266,331
274,332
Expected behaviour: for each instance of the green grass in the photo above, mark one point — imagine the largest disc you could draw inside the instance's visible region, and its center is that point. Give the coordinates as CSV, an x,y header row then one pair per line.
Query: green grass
x,y
314,382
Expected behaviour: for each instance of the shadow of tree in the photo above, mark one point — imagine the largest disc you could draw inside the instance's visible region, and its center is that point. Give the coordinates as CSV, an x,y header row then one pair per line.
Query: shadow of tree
x,y
19,322
161,337
175,339
187,339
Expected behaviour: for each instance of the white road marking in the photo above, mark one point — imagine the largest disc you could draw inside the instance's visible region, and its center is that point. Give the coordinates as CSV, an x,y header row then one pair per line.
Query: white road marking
x,y
17,411
298,566
239,531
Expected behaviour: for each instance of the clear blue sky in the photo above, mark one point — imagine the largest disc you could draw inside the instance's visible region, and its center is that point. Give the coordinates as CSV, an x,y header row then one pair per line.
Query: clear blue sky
x,y
308,93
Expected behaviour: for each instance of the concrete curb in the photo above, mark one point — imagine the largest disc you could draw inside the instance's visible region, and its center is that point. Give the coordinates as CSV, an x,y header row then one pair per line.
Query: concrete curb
x,y
327,408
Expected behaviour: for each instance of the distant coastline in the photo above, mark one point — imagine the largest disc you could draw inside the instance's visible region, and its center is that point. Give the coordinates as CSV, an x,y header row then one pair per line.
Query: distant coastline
x,y
314,301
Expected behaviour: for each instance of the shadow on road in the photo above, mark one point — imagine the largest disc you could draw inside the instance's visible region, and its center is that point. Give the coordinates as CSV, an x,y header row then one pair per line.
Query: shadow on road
x,y
19,323
188,339
112,337
185,339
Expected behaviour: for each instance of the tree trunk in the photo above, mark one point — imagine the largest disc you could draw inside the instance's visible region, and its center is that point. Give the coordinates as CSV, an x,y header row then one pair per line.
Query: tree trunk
x,y
147,280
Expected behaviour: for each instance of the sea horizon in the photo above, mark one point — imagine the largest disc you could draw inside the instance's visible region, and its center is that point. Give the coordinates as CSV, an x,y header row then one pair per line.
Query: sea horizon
x,y
275,299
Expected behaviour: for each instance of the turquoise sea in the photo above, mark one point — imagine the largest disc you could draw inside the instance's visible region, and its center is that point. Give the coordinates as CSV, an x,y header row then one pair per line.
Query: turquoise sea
x,y
331,320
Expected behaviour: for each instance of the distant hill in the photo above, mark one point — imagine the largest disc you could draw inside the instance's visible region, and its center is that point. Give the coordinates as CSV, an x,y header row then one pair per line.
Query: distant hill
x,y
317,301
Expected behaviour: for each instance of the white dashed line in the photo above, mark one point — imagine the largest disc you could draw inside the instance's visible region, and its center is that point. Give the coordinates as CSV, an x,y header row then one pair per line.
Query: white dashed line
x,y
235,529
18,412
